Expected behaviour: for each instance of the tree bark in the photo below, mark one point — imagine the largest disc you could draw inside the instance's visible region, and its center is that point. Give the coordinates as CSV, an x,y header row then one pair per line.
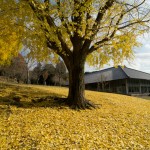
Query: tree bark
x,y
76,96
76,84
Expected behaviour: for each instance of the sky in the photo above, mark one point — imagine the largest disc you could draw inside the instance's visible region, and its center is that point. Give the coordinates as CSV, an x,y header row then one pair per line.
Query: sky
x,y
141,60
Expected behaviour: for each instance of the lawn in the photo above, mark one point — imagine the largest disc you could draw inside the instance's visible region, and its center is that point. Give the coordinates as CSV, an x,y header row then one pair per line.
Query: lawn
x,y
30,119
145,97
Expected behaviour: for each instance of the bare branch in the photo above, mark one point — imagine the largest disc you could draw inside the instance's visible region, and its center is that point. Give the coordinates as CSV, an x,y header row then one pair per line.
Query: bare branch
x,y
133,23
132,6
98,19
100,15
107,38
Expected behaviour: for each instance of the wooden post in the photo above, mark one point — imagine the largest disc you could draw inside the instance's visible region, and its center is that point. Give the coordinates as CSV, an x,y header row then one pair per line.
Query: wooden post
x,y
140,87
127,89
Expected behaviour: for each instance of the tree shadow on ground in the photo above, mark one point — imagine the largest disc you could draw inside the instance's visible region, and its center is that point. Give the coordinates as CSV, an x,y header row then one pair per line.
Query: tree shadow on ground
x,y
28,97
41,101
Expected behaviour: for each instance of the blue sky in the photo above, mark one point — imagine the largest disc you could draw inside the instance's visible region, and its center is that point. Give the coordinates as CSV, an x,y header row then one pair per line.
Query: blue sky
x,y
142,57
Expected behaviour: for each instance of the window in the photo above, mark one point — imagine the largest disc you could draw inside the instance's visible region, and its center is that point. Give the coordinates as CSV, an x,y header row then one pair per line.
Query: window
x,y
133,82
144,89
149,89
134,89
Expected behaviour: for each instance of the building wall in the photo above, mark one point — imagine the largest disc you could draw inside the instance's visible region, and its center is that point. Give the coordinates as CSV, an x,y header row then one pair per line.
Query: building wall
x,y
138,86
116,86
123,86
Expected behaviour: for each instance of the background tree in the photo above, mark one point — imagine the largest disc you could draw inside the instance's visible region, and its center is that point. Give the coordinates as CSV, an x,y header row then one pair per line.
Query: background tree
x,y
81,29
10,36
50,68
35,73
30,63
16,69
60,72
51,73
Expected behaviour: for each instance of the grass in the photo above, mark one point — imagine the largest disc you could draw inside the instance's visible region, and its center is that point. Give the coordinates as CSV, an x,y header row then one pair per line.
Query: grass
x,y
31,120
145,97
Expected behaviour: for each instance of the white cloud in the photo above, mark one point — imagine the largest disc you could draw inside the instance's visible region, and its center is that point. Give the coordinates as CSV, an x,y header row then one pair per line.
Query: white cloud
x,y
147,46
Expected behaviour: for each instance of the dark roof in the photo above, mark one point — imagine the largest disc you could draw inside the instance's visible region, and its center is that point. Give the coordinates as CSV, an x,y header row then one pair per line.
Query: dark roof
x,y
132,73
115,74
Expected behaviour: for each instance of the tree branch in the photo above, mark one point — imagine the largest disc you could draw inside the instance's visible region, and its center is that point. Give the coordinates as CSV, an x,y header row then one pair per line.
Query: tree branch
x,y
116,26
100,15
133,7
98,19
107,38
136,22
51,23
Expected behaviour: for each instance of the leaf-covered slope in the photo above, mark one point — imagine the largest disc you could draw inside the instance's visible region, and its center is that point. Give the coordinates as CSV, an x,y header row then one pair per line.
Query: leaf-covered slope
x,y
122,122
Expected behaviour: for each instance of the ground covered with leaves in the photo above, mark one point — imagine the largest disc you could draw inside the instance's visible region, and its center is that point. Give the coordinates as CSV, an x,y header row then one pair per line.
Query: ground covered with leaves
x,y
31,119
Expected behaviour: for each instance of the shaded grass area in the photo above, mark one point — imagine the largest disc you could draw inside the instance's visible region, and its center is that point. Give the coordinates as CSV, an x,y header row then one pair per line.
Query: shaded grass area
x,y
31,119
27,96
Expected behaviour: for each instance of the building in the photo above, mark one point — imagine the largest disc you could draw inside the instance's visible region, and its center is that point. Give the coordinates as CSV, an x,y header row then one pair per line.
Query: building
x,y
119,80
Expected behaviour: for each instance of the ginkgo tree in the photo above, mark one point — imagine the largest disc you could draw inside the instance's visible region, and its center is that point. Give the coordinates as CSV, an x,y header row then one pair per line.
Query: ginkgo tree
x,y
10,37
96,31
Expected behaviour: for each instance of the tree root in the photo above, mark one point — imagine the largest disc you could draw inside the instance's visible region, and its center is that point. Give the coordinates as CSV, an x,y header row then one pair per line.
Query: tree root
x,y
86,104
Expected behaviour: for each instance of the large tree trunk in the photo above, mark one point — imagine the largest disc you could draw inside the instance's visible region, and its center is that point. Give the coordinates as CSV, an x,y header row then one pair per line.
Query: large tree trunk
x,y
76,84
76,96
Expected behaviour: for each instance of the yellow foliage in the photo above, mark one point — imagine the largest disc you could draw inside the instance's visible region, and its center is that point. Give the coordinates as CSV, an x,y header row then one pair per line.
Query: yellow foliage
x,y
56,27
120,48
9,47
122,122
10,35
